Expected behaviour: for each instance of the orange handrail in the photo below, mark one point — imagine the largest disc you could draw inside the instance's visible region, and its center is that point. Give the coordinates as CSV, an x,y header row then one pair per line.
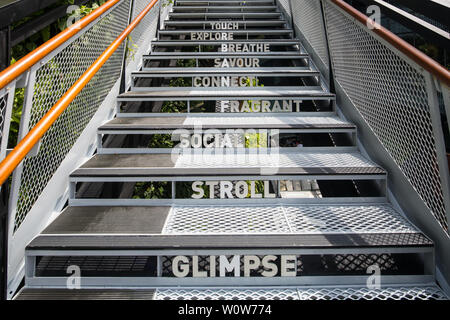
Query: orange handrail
x,y
420,58
15,70
13,159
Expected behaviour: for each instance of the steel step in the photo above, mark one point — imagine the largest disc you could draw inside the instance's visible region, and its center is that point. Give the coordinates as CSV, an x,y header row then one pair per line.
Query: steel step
x,y
327,163
306,219
228,8
401,292
214,55
294,121
207,24
222,2
84,294
250,93
189,244
105,242
236,32
226,15
240,72
271,42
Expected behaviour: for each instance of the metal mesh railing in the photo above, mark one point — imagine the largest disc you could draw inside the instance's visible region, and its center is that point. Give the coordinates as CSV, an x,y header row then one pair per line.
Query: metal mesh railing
x,y
52,80
3,105
147,26
392,96
285,5
307,18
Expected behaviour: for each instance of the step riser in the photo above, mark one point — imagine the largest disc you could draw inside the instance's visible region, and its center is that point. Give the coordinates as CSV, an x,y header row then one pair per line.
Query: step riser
x,y
230,16
212,61
246,24
224,35
159,264
222,2
224,9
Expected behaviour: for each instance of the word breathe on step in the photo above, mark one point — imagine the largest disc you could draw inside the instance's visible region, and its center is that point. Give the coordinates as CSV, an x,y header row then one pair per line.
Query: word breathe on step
x,y
228,189
284,266
245,47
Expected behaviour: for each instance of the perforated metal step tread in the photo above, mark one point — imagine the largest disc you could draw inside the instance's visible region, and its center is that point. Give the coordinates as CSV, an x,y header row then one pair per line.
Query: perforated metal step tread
x,y
221,15
192,72
250,32
84,294
205,162
241,23
377,241
229,8
243,3
224,93
231,219
222,121
270,42
101,220
403,292
214,55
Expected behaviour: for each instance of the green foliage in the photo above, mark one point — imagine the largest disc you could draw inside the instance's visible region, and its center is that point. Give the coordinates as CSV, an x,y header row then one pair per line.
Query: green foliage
x,y
31,43
167,3
151,190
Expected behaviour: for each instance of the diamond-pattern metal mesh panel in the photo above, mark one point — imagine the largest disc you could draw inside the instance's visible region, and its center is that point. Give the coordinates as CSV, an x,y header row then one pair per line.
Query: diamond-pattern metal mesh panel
x,y
313,293
346,219
53,79
146,30
285,4
226,294
285,219
307,16
3,103
271,158
360,262
255,219
391,96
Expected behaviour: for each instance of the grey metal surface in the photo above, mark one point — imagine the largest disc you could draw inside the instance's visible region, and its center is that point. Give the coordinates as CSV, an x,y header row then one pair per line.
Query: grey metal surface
x,y
228,8
213,55
222,121
285,219
237,32
101,220
257,72
198,162
242,23
419,292
84,294
223,93
227,242
270,42
218,15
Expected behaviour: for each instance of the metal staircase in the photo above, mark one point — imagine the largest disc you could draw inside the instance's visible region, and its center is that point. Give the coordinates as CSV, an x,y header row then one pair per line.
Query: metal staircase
x,y
239,236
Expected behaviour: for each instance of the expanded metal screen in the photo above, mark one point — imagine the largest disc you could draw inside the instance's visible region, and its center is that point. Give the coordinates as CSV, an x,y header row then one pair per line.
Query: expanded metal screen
x,y
286,7
307,18
52,80
391,95
3,104
285,219
142,35
313,293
